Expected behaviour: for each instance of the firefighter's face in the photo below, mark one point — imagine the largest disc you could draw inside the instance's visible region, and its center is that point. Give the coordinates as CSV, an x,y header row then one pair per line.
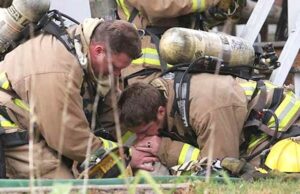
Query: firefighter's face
x,y
153,127
101,61
148,129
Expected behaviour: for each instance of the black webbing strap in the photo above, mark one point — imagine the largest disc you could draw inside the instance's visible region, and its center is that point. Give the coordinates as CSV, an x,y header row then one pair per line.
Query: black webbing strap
x,y
2,155
15,139
60,34
259,97
293,131
181,100
276,100
133,14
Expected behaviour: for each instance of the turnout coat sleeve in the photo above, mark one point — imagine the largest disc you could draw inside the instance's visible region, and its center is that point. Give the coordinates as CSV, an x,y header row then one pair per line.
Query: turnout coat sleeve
x,y
166,9
218,109
49,80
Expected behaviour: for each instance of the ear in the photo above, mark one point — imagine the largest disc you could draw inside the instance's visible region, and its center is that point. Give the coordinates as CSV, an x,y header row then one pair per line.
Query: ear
x,y
161,112
97,49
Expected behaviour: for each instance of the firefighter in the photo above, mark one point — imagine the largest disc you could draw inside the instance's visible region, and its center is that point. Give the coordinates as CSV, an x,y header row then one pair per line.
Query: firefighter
x,y
155,17
217,114
43,81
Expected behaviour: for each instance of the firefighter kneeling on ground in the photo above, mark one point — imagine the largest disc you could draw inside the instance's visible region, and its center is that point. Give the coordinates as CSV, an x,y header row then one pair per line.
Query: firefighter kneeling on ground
x,y
42,83
220,115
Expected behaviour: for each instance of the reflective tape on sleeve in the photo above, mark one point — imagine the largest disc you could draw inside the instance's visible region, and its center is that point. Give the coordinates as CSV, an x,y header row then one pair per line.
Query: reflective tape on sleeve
x,y
150,56
188,153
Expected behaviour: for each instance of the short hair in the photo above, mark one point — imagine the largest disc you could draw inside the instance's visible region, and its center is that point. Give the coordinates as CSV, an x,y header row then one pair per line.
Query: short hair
x,y
121,37
138,104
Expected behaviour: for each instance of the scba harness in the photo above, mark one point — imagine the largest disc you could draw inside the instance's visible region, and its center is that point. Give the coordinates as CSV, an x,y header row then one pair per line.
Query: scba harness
x,y
12,133
271,109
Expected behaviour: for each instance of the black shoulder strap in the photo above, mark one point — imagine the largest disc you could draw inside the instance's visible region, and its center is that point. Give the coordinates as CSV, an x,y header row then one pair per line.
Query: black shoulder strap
x,y
181,100
133,14
47,24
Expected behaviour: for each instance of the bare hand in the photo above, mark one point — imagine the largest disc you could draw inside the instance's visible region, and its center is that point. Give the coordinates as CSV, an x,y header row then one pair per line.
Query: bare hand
x,y
149,144
141,160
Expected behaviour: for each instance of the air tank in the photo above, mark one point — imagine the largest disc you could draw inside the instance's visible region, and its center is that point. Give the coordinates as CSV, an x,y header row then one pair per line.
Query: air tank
x,y
14,18
182,45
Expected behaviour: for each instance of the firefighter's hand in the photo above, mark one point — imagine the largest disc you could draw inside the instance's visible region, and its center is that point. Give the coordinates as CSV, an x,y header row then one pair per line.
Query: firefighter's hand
x,y
149,144
141,160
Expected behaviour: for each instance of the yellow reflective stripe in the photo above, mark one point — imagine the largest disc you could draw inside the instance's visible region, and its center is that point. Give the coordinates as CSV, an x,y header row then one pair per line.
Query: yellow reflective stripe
x,y
20,104
195,154
121,4
249,88
286,111
107,144
270,85
150,56
6,123
198,5
128,138
146,61
4,83
253,143
188,153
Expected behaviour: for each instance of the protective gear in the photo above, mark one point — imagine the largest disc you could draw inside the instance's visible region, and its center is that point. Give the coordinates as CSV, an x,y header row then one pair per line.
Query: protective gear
x,y
68,74
213,118
15,18
104,163
180,45
284,156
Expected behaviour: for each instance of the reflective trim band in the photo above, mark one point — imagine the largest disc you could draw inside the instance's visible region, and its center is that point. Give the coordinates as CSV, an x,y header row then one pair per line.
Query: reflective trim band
x,y
198,5
286,111
6,123
182,168
150,56
269,84
107,144
121,4
249,88
128,138
21,104
188,153
256,141
4,83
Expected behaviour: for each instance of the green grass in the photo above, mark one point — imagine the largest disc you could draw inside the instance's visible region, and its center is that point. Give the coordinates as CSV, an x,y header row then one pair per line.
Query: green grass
x,y
262,186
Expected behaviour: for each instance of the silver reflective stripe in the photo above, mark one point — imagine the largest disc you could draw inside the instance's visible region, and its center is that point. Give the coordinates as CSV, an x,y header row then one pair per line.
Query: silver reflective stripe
x,y
189,154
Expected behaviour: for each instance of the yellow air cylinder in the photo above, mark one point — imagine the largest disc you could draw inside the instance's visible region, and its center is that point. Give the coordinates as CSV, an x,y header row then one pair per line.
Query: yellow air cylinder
x,y
182,45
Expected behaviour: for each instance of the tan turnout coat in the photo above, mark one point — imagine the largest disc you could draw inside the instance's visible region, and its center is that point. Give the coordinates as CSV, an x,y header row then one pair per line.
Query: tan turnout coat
x,y
218,109
48,77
